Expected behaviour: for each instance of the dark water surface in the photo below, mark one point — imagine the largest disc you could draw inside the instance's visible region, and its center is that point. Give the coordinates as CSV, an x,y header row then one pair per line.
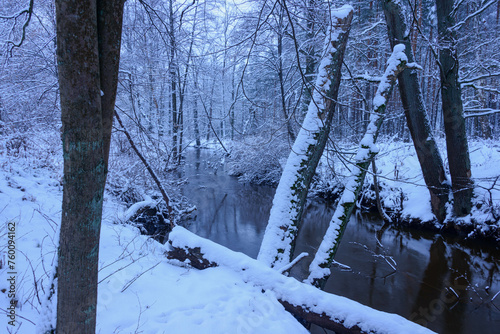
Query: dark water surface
x,y
435,281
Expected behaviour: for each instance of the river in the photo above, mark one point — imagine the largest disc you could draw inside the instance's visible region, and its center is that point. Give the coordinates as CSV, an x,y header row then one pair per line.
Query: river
x,y
435,281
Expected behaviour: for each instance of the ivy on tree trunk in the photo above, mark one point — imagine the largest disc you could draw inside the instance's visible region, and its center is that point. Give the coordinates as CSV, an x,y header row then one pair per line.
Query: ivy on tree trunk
x,y
290,198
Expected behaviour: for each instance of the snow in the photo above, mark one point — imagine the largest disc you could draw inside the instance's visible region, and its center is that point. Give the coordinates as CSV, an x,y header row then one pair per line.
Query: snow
x,y
139,290
349,312
342,12
319,267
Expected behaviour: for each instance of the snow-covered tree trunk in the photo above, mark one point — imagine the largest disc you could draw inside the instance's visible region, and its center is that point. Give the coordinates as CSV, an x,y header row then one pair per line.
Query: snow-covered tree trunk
x,y
288,204
320,266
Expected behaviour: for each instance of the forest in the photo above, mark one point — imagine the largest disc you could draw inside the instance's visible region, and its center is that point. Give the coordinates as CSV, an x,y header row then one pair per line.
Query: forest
x,y
257,166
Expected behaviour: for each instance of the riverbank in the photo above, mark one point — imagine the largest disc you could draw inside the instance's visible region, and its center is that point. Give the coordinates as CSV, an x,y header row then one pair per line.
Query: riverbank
x,y
403,195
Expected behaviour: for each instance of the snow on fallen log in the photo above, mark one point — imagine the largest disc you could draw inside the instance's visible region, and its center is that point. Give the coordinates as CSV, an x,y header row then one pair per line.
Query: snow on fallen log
x,y
319,268
136,207
288,204
302,300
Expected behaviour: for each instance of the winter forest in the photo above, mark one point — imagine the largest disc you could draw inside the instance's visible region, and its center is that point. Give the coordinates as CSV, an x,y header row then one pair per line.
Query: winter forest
x,y
250,166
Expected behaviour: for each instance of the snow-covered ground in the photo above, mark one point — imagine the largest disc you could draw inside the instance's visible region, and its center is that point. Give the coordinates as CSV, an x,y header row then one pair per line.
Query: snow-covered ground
x,y
403,192
399,169
139,290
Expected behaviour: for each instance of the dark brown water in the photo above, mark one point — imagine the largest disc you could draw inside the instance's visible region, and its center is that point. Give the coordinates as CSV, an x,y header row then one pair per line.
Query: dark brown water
x,y
435,281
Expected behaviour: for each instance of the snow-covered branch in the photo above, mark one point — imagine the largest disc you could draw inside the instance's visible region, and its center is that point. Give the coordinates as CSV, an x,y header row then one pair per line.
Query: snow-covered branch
x,y
480,77
320,266
29,12
476,13
480,112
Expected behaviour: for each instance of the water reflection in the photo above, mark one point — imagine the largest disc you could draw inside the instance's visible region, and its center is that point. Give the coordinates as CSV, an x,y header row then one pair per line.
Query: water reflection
x,y
434,281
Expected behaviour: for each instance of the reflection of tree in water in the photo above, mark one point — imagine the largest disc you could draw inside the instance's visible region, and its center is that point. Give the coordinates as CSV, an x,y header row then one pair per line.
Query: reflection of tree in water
x,y
460,278
444,300
431,286
235,214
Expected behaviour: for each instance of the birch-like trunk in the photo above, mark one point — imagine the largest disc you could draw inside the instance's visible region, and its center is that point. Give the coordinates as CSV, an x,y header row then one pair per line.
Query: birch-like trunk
x,y
320,266
288,204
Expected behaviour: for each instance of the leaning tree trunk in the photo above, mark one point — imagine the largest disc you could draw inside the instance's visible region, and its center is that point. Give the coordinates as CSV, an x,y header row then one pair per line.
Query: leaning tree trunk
x,y
454,122
288,204
87,81
416,114
319,270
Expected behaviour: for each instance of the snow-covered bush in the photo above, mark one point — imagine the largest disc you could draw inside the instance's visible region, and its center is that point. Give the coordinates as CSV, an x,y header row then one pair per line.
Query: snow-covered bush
x,y
258,160
33,147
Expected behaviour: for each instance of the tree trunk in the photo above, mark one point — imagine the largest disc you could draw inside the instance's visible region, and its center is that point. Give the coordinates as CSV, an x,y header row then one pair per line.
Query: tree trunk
x,y
320,266
280,32
87,83
416,114
289,201
173,83
109,30
310,53
195,112
454,123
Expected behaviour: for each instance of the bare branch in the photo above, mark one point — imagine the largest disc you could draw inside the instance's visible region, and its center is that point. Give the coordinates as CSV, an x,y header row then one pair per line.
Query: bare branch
x,y
29,12
476,13
480,77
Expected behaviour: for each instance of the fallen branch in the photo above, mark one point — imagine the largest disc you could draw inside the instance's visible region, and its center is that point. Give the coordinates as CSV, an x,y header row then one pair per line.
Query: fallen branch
x,y
300,299
150,170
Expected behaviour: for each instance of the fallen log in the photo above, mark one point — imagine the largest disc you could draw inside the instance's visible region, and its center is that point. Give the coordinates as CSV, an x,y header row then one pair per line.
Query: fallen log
x,y
300,299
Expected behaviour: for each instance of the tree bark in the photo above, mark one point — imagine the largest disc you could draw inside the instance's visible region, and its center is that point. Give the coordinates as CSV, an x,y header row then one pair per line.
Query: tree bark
x,y
88,51
416,114
195,112
286,213
173,84
280,34
454,123
109,30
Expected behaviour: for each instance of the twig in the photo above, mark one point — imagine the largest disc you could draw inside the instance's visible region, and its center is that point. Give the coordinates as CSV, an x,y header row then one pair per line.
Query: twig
x,y
137,277
289,266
